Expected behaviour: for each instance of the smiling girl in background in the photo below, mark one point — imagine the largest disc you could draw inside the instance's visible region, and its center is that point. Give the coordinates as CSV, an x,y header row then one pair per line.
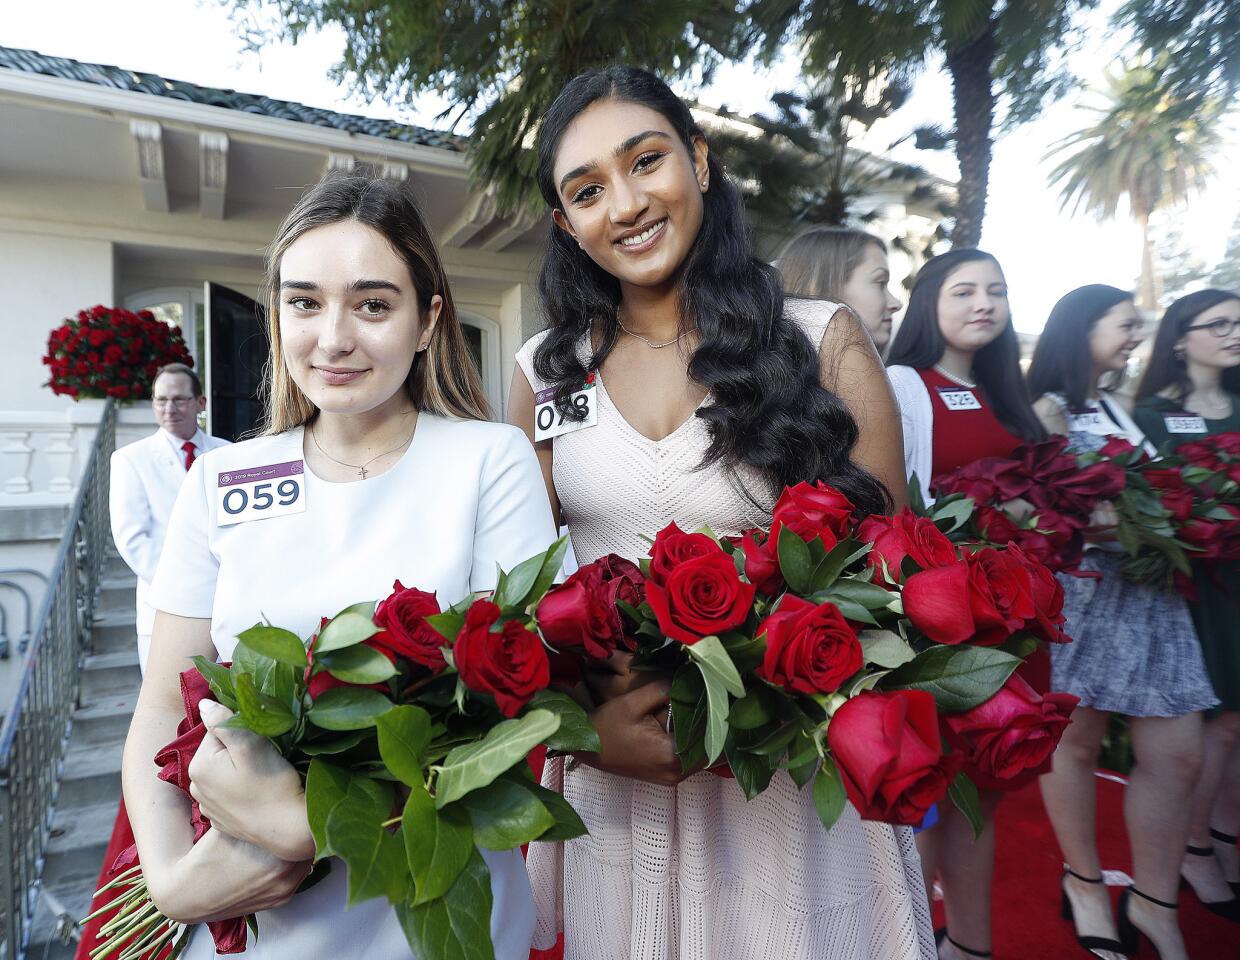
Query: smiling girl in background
x,y
955,368
1134,652
376,421
847,266
1191,389
705,393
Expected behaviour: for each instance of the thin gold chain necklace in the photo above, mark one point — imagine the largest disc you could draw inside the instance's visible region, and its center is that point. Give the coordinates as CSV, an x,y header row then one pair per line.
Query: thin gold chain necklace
x,y
650,344
361,468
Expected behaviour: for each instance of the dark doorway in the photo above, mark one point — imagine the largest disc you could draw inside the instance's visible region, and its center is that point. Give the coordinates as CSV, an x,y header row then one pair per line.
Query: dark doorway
x,y
236,346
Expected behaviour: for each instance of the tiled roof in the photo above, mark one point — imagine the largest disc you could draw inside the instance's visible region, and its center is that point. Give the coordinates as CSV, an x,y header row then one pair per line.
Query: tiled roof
x,y
31,61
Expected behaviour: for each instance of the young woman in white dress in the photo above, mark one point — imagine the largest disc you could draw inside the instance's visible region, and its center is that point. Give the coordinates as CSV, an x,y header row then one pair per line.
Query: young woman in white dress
x,y
373,403
711,393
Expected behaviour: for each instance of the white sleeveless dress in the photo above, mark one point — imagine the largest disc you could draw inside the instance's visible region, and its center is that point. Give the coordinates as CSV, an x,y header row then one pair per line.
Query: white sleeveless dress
x,y
694,872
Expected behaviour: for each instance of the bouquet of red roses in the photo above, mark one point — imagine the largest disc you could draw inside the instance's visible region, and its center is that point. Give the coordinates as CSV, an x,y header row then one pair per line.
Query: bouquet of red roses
x,y
1041,499
1178,510
835,651
109,352
411,726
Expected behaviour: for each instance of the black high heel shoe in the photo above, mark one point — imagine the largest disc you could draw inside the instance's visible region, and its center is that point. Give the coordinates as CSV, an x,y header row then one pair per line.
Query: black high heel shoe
x,y
1227,909
941,935
1228,838
1090,943
1129,935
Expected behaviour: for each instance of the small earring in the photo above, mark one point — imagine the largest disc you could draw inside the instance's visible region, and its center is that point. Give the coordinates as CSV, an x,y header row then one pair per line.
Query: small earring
x,y
704,184
1178,353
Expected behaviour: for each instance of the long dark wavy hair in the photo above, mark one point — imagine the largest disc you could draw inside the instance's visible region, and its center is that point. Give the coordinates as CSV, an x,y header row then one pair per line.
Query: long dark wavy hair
x,y
1062,362
919,344
1166,369
768,408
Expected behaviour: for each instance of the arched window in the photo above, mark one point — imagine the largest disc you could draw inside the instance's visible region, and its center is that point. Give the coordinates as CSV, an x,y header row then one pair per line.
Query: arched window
x,y
182,306
482,336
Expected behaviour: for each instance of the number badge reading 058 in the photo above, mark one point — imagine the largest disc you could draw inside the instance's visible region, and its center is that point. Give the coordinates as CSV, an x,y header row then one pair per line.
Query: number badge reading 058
x,y
260,493
549,422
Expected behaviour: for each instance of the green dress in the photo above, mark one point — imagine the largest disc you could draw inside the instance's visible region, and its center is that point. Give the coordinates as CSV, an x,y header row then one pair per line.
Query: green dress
x,y
1216,612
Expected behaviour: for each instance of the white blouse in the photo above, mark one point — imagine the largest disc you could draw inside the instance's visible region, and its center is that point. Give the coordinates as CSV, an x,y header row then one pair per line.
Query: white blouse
x,y
465,497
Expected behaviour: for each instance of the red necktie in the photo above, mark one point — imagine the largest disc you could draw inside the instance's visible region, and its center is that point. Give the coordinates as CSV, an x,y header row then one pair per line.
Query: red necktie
x,y
188,447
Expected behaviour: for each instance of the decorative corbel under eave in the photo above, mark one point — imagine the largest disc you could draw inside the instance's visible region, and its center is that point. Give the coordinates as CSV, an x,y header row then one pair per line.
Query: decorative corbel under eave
x,y
148,137
212,174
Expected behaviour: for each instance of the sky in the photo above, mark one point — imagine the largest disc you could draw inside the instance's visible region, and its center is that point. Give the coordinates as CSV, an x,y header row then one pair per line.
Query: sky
x,y
1044,252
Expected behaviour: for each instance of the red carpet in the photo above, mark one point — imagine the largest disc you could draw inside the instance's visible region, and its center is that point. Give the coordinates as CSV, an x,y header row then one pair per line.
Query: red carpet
x,y
1026,895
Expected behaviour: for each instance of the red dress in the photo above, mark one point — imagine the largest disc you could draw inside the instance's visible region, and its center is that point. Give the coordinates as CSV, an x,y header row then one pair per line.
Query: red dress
x,y
966,429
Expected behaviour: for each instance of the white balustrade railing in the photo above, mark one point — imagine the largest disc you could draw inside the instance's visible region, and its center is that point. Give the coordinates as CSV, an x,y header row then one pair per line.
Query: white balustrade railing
x,y
43,452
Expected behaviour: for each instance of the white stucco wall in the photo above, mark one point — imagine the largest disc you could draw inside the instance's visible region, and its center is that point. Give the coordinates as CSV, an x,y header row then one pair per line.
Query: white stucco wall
x,y
43,280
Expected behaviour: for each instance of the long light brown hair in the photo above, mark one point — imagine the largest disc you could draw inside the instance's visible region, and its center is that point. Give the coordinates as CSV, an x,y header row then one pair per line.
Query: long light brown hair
x,y
818,261
443,378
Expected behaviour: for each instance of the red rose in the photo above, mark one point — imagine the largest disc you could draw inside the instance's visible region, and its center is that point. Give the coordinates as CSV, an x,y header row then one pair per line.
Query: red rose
x,y
1204,536
809,649
406,634
1083,489
97,338
810,511
996,526
1116,447
986,481
1048,620
701,597
906,535
578,614
623,579
983,599
761,562
672,546
511,665
1008,740
889,755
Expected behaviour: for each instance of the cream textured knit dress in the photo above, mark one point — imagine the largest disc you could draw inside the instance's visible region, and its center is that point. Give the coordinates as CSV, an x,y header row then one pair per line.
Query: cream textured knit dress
x,y
693,872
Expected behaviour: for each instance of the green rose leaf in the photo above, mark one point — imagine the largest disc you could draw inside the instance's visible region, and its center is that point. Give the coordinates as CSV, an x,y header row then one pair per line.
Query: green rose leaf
x,y
885,648
711,656
219,679
475,765
750,712
456,926
953,514
960,678
553,560
274,642
568,824
404,733
795,562
257,665
447,624
506,815
576,732
716,715
438,845
963,793
753,773
868,595
327,746
348,708
345,630
326,786
376,862
829,795
358,664
829,568
264,715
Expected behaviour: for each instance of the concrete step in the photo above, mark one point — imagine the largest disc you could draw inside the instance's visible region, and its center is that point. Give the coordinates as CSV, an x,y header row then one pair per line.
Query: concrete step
x,y
116,595
105,718
79,838
92,773
115,630
106,674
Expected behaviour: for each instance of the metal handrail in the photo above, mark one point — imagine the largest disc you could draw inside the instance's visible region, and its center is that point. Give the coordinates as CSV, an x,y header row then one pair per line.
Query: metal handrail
x,y
36,726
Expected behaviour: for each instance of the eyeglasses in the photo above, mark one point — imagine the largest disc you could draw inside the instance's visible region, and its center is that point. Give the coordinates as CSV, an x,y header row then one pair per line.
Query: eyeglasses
x,y
174,401
1222,327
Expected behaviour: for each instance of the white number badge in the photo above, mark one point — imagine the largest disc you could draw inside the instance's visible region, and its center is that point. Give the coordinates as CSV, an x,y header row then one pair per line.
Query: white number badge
x,y
1090,421
1185,424
959,399
549,422
259,493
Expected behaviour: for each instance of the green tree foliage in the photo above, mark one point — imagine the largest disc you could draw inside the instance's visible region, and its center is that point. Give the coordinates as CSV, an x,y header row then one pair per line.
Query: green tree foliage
x,y
998,53
500,63
1146,144
1200,39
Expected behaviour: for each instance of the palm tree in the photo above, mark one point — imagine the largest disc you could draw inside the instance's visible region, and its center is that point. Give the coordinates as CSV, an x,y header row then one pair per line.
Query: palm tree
x,y
1146,144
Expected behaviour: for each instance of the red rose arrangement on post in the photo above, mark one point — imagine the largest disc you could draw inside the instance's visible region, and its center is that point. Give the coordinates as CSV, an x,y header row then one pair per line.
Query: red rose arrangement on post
x,y
410,726
109,352
1173,511
837,652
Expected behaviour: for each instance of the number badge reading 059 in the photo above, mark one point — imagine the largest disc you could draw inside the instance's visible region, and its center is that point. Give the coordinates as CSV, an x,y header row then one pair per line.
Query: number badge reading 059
x,y
549,422
259,493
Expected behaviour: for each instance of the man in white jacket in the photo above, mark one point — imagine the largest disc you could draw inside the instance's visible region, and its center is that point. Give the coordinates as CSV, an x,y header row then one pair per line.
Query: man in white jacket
x,y
146,476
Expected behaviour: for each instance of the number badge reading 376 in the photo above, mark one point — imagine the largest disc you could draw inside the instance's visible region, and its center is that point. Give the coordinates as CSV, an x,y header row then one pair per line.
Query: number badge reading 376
x,y
549,422
259,493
